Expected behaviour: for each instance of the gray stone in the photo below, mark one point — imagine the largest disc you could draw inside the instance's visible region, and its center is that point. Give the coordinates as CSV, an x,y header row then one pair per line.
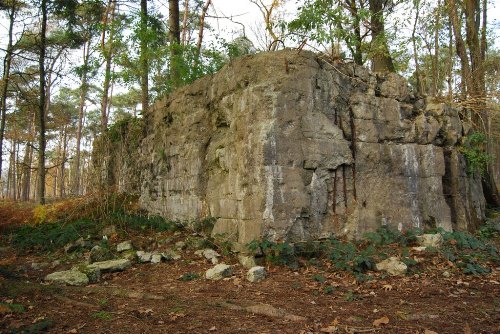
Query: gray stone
x,y
211,255
156,258
143,257
68,277
179,245
124,246
75,245
219,272
93,273
247,261
39,265
99,254
295,155
111,265
393,266
170,255
430,240
256,274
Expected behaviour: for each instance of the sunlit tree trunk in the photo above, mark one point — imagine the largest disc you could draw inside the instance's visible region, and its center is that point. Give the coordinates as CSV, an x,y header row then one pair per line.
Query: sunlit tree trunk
x,y
202,26
107,49
83,98
6,77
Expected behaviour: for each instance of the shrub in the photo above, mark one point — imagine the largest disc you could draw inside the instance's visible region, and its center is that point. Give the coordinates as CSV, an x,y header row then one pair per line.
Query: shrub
x,y
474,153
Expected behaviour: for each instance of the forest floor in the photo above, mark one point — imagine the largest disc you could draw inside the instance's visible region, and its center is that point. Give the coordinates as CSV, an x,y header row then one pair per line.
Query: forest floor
x,y
311,297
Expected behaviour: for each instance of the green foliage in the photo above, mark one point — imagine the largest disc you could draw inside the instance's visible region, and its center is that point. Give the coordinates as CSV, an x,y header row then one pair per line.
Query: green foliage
x,y
281,253
463,240
189,277
129,130
51,236
319,278
352,296
474,153
328,289
489,230
102,315
145,223
346,256
204,226
14,308
470,253
386,236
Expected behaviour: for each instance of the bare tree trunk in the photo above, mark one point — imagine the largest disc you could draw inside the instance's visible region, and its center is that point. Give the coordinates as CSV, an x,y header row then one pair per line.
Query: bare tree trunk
x,y
435,58
356,49
184,22
12,172
5,78
460,47
81,110
41,107
381,58
63,163
27,161
174,39
450,62
415,52
202,26
107,49
143,58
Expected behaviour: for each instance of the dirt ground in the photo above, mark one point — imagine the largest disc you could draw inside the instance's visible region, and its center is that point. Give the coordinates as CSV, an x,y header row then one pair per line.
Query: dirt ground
x,y
151,298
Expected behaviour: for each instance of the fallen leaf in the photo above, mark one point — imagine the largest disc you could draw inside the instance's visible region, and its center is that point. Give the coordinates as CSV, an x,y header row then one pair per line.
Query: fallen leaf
x,y
329,329
467,329
382,321
211,329
387,287
73,331
4,309
38,319
428,331
174,315
147,311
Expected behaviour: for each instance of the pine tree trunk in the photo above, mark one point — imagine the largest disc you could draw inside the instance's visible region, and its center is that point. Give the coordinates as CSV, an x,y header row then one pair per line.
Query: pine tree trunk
x,y
62,193
41,107
144,63
83,98
174,39
108,55
5,79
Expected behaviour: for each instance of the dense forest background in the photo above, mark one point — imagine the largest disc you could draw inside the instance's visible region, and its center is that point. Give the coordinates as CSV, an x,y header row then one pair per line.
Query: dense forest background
x,y
74,69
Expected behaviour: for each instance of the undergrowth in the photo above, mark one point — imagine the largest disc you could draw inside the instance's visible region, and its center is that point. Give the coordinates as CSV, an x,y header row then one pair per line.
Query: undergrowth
x,y
472,254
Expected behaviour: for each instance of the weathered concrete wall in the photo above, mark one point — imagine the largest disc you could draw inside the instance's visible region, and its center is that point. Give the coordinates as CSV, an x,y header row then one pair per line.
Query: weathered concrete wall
x,y
288,147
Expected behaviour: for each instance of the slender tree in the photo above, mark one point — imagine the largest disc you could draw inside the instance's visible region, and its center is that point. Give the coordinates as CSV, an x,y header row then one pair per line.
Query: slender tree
x,y
174,37
107,47
41,105
143,57
11,8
